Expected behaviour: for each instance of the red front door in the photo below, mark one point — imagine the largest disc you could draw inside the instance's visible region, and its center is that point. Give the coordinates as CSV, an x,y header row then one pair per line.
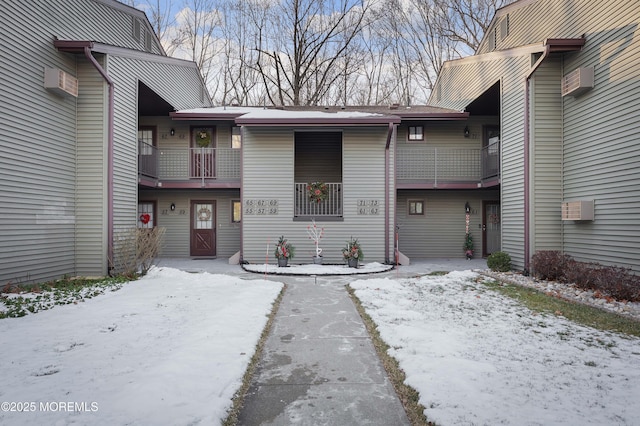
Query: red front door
x,y
203,228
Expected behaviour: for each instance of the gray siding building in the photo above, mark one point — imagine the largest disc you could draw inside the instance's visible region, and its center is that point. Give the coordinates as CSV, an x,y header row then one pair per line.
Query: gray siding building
x,y
75,78
561,77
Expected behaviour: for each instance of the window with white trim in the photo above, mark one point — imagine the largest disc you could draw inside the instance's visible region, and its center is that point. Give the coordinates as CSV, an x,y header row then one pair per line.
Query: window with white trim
x,y
415,133
415,207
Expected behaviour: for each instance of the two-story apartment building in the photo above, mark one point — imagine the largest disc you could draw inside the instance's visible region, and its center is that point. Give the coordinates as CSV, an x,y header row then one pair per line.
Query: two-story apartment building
x,y
531,144
247,172
561,78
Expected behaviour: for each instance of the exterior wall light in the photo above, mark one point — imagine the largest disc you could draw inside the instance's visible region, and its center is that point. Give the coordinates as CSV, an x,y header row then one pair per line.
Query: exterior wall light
x,y
466,131
467,208
172,131
173,207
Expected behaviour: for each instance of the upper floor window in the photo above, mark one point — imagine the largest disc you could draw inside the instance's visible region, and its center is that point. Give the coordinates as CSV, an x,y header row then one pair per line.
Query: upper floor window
x,y
416,133
146,139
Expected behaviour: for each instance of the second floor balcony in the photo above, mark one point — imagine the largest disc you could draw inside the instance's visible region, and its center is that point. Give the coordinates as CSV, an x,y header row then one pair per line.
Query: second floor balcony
x,y
203,165
442,167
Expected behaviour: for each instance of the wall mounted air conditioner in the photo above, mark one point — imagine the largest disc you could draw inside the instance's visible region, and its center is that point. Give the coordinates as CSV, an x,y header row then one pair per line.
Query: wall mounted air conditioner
x,y
577,81
577,210
60,82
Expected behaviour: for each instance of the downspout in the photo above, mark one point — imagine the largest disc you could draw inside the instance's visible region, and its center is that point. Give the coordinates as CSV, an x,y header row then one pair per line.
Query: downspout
x,y
527,144
387,212
90,58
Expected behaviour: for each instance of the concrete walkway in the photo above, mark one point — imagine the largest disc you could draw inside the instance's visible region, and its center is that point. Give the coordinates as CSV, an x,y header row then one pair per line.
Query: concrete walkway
x,y
319,366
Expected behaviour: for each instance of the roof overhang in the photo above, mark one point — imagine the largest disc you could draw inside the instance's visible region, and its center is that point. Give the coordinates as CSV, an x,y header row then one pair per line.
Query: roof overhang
x,y
314,117
564,44
73,46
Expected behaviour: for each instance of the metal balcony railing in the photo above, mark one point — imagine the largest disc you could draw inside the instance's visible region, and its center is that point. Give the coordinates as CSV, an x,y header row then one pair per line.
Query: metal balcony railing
x,y
331,206
425,164
147,159
189,163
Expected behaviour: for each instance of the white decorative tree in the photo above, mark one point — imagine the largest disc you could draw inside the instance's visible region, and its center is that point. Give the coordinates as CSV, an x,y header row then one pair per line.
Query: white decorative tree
x,y
315,234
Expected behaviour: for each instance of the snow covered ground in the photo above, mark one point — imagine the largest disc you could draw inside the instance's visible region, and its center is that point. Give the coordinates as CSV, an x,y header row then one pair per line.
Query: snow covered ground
x,y
478,358
311,269
170,348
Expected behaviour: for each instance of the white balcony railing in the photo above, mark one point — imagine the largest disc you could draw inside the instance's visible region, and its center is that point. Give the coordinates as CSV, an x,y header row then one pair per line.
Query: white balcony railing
x,y
331,206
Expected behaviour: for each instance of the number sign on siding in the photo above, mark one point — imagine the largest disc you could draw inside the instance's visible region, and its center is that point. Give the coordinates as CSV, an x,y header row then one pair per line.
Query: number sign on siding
x,y
368,207
260,207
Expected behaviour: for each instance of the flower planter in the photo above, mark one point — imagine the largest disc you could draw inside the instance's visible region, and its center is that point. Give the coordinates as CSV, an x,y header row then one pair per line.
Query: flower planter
x,y
317,260
283,261
353,263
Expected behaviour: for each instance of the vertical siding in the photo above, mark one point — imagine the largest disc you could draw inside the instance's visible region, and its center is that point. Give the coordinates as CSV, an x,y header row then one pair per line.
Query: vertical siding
x,y
91,175
546,157
268,162
37,152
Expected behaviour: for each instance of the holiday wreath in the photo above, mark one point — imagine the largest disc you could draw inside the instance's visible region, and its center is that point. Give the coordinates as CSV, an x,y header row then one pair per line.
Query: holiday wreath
x,y
318,191
203,138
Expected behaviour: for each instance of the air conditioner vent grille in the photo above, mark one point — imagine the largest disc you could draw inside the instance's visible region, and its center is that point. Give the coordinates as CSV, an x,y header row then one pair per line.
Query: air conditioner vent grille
x,y
577,210
577,81
60,82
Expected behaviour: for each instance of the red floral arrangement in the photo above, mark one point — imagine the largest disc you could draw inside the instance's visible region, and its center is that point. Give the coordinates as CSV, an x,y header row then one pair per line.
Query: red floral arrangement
x,y
318,191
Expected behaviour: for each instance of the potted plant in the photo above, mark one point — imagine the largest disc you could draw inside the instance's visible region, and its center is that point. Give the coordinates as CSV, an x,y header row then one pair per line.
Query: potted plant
x,y
352,253
468,245
284,251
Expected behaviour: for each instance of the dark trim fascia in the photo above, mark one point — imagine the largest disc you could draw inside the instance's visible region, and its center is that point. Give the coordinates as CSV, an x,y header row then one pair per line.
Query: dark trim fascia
x,y
197,184
302,122
447,116
177,116
447,185
77,46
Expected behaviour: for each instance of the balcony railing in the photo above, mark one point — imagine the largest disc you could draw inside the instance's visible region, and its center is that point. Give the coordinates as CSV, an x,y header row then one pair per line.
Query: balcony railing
x,y
331,206
422,164
189,163
147,159
491,160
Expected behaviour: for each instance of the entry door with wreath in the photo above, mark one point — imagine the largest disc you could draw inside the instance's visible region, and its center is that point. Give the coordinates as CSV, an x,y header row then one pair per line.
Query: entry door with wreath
x,y
203,153
203,228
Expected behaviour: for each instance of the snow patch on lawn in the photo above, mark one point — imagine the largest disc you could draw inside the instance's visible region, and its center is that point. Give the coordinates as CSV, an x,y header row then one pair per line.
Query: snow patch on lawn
x,y
170,348
479,358
312,269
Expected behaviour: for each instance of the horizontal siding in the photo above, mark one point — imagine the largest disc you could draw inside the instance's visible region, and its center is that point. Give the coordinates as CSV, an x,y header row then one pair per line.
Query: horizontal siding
x,y
440,232
177,222
91,195
601,143
546,157
268,159
37,153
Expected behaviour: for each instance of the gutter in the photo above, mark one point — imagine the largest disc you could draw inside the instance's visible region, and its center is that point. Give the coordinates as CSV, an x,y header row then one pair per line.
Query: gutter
x,y
387,207
110,125
550,46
